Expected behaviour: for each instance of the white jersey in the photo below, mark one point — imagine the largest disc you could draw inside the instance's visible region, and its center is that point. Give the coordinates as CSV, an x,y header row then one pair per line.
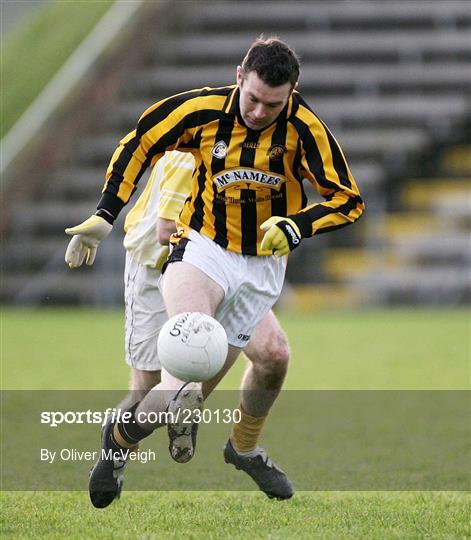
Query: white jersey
x,y
167,189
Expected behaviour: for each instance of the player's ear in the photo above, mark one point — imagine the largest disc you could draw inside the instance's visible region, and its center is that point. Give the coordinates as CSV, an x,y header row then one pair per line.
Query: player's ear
x,y
240,76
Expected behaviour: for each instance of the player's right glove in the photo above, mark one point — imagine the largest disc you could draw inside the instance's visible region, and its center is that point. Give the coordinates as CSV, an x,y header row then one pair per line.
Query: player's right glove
x,y
86,238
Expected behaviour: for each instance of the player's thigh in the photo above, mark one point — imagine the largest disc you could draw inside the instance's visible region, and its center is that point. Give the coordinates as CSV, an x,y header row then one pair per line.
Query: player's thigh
x,y
269,343
187,288
145,315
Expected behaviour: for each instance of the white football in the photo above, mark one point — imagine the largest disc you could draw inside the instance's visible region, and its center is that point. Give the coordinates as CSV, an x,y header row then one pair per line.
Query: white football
x,y
192,346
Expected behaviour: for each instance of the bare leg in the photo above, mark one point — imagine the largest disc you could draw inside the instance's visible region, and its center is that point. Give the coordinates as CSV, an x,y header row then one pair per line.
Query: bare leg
x,y
268,352
141,382
210,385
201,294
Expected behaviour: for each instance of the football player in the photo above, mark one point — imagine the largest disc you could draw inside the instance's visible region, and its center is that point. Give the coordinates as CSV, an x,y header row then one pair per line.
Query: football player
x,y
254,143
149,226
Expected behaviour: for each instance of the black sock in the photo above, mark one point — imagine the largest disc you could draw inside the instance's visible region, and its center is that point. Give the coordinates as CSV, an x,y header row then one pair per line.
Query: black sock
x,y
129,429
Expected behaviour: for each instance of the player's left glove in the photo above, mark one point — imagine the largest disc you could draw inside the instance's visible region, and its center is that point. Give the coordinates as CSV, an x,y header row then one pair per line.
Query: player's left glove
x,y
86,238
282,235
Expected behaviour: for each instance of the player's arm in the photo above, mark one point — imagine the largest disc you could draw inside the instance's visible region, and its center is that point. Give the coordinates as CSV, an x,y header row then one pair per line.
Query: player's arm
x,y
324,165
159,129
162,127
165,229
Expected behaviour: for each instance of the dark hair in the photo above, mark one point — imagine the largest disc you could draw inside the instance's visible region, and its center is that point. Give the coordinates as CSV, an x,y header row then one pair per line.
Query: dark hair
x,y
273,61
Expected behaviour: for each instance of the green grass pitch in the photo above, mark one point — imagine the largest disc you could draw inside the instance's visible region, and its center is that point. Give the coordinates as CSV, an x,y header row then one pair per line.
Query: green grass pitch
x,y
82,349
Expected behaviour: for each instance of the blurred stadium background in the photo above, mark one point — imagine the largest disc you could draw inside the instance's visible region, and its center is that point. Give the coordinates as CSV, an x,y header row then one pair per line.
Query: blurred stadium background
x,y
391,78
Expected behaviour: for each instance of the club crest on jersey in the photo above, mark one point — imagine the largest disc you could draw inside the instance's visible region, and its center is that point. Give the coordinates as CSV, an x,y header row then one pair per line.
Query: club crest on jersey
x,y
276,151
219,150
248,179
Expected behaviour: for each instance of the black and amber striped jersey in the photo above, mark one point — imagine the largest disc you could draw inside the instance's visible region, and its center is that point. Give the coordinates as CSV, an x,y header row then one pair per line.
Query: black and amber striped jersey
x,y
242,176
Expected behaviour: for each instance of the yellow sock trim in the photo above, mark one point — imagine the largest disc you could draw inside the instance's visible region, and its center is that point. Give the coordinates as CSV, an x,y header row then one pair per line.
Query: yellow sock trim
x,y
117,437
244,436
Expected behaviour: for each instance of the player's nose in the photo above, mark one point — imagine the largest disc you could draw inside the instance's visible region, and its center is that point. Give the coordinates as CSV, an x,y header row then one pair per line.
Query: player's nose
x,y
259,112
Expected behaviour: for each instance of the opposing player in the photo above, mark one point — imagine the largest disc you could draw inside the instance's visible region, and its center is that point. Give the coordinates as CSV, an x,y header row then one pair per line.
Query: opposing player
x,y
254,143
149,225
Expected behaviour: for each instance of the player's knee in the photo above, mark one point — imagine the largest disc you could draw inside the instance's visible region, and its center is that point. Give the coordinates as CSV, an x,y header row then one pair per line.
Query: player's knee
x,y
275,356
273,366
279,354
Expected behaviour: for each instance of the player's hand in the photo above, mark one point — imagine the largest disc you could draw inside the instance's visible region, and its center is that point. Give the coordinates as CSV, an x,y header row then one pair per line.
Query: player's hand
x,y
86,238
162,258
282,235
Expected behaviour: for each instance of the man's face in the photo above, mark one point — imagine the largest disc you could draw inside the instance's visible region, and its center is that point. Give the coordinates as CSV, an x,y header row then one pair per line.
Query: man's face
x,y
260,104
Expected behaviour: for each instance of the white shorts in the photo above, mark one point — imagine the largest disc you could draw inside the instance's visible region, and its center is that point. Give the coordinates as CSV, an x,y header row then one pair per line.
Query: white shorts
x,y
145,314
251,284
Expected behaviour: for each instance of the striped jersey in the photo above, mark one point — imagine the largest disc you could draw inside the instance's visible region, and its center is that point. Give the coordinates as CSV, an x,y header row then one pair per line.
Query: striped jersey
x,y
164,195
242,176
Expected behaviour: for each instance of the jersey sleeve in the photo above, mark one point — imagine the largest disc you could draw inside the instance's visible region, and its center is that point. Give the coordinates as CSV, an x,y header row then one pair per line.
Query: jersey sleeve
x,y
323,164
175,184
167,125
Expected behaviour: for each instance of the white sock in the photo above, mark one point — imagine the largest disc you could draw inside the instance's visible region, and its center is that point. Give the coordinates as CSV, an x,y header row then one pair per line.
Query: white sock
x,y
251,453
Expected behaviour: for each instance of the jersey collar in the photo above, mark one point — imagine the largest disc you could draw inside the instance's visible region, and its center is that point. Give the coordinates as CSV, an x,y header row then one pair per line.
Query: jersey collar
x,y
232,106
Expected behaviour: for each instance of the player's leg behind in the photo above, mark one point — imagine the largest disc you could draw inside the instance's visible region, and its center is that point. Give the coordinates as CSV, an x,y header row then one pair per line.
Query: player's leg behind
x,y
144,316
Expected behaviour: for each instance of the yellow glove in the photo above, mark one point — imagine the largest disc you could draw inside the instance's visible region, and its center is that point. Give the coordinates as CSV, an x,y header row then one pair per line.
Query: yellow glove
x,y
86,238
163,256
282,235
